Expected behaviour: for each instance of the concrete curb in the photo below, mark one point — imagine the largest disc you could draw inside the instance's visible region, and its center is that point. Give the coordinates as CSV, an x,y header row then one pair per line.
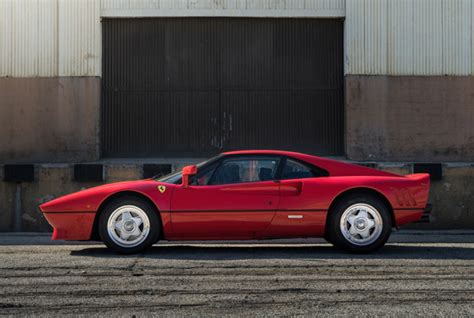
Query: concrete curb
x,y
403,236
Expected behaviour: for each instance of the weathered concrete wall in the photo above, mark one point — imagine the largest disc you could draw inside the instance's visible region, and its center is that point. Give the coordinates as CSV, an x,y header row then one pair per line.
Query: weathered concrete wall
x,y
410,118
49,119
51,181
451,198
7,194
453,203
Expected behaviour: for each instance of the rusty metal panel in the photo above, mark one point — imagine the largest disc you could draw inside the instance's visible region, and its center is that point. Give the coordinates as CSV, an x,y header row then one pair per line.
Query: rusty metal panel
x,y
198,86
409,37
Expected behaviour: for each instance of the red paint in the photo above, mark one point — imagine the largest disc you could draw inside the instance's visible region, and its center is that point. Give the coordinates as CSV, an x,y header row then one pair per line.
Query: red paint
x,y
187,172
71,225
224,211
246,210
407,216
220,225
310,225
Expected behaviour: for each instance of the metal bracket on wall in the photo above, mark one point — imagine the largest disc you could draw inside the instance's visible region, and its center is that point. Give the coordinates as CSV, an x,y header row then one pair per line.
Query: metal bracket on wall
x,y
434,169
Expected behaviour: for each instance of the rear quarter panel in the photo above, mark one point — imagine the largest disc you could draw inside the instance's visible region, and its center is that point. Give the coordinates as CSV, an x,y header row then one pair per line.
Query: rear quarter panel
x,y
404,194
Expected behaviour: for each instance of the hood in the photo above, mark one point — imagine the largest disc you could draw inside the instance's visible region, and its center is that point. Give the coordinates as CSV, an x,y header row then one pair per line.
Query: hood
x,y
89,200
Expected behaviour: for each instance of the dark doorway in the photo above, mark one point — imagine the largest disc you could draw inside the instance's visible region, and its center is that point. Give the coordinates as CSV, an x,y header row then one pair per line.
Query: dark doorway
x,y
193,87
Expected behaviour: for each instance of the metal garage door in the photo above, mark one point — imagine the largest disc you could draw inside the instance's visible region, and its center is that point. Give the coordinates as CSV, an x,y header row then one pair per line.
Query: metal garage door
x,y
197,86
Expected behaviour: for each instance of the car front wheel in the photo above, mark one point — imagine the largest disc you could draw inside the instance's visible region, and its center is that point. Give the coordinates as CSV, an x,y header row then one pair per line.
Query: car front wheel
x,y
359,224
129,225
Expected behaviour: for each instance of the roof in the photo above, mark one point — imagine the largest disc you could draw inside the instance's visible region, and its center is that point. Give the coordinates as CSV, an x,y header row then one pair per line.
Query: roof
x,y
335,167
267,151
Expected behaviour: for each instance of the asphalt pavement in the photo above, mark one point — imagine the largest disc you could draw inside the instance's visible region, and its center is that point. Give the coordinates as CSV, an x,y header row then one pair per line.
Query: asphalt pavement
x,y
416,274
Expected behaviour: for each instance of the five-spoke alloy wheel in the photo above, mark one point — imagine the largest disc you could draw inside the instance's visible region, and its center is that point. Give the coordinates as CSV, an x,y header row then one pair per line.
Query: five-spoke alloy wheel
x,y
129,225
359,223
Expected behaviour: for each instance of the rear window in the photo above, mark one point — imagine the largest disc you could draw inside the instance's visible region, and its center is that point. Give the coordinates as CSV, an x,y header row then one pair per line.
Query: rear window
x,y
297,170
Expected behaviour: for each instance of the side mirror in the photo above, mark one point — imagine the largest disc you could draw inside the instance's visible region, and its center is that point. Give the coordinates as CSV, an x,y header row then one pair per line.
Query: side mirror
x,y
188,171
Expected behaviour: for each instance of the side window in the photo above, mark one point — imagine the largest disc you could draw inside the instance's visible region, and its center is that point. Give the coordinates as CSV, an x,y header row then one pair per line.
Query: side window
x,y
240,170
202,178
295,170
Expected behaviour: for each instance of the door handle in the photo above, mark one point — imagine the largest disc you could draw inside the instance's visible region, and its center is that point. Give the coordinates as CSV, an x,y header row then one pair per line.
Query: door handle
x,y
291,188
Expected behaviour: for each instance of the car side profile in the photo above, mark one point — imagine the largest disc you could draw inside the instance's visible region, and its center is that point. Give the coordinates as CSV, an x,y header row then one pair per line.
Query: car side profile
x,y
243,195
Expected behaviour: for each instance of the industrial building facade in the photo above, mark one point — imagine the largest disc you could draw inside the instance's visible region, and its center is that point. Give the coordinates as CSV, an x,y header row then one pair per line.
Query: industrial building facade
x,y
127,86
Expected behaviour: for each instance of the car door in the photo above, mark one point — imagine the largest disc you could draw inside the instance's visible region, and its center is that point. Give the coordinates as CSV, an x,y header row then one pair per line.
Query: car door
x,y
298,214
236,199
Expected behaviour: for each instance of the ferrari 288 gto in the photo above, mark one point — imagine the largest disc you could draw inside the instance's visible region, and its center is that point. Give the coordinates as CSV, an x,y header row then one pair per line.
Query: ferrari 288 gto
x,y
245,195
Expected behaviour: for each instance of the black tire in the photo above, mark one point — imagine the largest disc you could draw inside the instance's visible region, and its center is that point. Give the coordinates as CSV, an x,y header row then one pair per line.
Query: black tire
x,y
328,238
335,235
151,213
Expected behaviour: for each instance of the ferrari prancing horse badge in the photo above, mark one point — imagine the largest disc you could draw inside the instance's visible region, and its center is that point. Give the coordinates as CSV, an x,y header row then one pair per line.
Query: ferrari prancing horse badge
x,y
162,188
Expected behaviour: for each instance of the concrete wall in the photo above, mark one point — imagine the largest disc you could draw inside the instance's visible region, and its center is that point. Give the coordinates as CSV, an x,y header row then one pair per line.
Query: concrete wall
x,y
51,181
451,197
453,203
410,118
49,119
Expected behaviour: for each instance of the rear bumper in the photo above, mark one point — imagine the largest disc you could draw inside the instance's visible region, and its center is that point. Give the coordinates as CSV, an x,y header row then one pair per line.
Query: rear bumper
x,y
425,218
404,216
73,226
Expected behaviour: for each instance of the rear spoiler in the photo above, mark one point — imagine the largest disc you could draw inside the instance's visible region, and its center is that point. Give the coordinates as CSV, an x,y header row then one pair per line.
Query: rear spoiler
x,y
422,177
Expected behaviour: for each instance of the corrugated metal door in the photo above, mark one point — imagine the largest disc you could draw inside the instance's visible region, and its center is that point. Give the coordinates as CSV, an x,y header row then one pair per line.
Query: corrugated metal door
x,y
197,86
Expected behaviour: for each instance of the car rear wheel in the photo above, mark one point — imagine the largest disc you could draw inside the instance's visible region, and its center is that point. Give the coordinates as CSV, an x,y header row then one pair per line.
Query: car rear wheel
x,y
359,224
129,225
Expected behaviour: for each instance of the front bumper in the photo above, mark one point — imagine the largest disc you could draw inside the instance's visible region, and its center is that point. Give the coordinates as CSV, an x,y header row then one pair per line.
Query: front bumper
x,y
73,226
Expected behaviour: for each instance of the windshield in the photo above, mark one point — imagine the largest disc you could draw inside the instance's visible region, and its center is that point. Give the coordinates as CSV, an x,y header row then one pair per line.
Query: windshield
x,y
175,177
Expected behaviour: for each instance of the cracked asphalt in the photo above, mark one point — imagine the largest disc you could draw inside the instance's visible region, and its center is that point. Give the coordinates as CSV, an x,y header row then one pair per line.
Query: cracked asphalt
x,y
416,274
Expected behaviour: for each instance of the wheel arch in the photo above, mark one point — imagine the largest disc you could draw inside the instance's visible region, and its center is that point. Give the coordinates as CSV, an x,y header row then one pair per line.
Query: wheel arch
x,y
115,196
360,191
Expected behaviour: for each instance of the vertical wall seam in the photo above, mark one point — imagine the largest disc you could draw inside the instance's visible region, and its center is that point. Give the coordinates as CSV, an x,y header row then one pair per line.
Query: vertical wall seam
x,y
11,40
57,38
443,64
412,58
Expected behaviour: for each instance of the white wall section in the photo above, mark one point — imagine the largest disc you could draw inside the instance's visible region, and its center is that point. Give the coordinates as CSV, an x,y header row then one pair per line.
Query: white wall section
x,y
223,8
46,38
43,38
409,37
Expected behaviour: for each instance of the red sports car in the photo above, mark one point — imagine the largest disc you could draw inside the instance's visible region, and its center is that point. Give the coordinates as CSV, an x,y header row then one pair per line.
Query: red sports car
x,y
245,195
